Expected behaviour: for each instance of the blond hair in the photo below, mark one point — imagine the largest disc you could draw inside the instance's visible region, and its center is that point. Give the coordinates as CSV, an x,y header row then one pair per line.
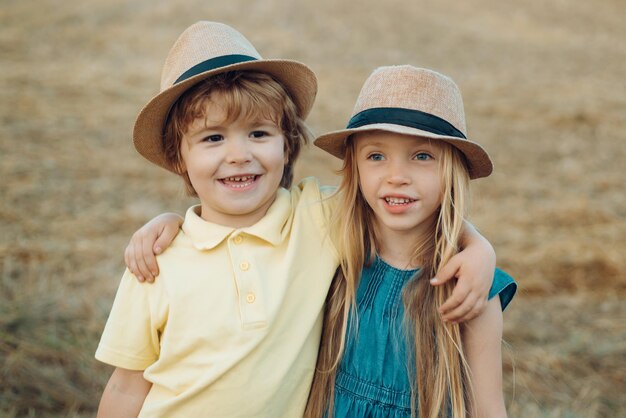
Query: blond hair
x,y
242,94
442,380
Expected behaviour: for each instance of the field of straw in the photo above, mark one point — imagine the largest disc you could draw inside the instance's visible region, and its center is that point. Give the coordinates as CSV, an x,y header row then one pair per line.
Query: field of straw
x,y
544,91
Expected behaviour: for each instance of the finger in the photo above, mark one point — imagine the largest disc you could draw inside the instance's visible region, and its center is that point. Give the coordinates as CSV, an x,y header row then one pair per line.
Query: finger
x,y
127,256
478,308
131,262
447,272
458,296
140,260
460,312
148,256
165,238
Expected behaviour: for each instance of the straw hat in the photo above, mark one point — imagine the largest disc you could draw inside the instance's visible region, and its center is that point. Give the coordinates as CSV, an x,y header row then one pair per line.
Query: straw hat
x,y
411,101
204,50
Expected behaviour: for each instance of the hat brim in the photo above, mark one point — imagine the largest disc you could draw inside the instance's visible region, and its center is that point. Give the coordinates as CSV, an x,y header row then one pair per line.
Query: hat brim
x,y
297,78
479,163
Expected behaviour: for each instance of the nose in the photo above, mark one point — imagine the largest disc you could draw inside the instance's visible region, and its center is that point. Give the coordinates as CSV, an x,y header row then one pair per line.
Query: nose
x,y
238,151
398,173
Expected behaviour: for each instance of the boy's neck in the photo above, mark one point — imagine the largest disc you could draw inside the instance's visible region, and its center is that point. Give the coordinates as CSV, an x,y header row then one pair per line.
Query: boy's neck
x,y
233,220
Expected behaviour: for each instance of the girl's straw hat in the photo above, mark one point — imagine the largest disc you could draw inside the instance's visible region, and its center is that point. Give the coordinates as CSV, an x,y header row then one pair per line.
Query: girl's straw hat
x,y
204,50
411,101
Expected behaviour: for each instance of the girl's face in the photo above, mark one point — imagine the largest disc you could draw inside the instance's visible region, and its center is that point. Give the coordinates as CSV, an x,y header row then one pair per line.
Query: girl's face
x,y
400,180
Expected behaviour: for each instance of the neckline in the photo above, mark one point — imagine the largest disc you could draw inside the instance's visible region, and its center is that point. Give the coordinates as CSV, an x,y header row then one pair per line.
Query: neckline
x,y
394,269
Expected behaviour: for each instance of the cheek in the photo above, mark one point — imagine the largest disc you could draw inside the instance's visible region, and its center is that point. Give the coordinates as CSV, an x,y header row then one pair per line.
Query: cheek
x,y
368,189
275,158
437,190
191,161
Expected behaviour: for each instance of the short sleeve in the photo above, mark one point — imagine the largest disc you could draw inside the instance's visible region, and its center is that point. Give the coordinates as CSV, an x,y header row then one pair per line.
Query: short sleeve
x,y
312,194
503,285
316,202
130,339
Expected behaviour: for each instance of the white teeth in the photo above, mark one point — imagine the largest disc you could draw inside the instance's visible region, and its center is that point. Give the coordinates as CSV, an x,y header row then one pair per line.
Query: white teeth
x,y
243,181
246,178
397,200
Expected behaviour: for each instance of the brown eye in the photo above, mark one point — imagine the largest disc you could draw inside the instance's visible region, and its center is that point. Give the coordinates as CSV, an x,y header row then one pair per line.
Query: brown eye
x,y
213,138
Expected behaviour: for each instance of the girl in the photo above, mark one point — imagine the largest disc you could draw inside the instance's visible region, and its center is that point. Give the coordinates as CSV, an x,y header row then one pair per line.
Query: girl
x,y
405,188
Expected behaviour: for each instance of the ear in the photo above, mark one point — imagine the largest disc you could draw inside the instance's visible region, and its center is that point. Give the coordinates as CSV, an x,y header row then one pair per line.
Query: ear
x,y
180,166
286,153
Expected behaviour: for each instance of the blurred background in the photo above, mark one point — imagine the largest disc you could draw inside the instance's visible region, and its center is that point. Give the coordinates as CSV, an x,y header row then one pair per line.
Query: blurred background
x,y
544,90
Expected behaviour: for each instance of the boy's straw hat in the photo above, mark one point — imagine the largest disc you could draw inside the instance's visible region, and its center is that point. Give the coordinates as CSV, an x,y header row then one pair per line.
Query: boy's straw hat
x,y
204,50
411,101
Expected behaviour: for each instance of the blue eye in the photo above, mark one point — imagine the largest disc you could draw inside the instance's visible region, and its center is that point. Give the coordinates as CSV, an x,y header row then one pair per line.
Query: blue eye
x,y
213,138
375,157
422,156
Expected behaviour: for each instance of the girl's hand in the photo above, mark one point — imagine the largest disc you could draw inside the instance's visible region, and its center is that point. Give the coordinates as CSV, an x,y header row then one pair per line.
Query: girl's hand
x,y
149,240
474,268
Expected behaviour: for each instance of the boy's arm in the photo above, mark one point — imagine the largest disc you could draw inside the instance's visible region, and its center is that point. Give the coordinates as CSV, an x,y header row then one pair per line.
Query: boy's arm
x,y
124,394
474,268
151,239
482,342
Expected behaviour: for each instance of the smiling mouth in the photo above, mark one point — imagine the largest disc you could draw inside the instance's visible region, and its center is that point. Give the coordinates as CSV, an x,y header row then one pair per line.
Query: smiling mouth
x,y
397,201
240,181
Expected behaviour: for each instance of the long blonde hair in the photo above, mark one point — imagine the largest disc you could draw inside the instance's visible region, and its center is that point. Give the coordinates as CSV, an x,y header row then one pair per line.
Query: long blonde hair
x,y
441,380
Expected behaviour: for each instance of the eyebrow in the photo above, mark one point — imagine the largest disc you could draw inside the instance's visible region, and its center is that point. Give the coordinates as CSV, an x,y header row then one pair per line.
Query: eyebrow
x,y
426,146
213,127
213,124
202,128
262,122
373,144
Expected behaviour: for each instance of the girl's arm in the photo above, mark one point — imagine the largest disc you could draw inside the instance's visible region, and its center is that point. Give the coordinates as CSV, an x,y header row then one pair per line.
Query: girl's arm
x,y
124,395
474,268
482,337
151,239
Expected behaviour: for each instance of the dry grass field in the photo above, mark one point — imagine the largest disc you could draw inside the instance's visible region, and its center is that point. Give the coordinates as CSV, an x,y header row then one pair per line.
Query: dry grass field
x,y
545,92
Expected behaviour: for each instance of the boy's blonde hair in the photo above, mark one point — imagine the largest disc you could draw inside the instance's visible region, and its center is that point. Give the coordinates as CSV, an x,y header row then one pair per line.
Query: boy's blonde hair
x,y
440,382
242,94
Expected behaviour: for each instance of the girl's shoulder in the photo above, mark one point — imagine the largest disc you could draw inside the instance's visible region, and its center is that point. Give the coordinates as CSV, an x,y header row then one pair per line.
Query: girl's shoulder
x,y
503,285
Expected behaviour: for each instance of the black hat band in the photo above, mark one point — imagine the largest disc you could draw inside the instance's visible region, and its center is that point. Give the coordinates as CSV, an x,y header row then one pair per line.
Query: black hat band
x,y
405,117
212,64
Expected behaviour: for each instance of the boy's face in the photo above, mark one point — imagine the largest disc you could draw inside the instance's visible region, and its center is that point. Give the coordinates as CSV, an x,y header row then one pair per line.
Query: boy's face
x,y
235,168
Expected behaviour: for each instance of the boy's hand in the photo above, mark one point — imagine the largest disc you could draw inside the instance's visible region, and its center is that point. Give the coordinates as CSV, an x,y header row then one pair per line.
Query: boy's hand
x,y
474,268
151,239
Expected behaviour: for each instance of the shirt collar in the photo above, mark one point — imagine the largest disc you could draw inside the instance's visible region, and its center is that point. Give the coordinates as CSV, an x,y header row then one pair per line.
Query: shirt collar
x,y
273,227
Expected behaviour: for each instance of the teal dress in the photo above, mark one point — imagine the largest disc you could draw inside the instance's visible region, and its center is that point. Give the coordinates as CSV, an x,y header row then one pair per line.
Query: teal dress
x,y
373,377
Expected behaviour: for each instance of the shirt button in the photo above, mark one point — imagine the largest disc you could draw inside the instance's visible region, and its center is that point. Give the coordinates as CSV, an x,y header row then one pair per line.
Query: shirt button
x,y
250,298
238,239
244,266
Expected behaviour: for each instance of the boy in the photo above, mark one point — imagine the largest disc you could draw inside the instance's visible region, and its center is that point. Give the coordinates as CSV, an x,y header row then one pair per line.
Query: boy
x,y
236,312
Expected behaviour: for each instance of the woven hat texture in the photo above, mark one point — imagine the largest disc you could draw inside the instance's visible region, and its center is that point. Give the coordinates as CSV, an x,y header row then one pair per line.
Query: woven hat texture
x,y
411,101
203,50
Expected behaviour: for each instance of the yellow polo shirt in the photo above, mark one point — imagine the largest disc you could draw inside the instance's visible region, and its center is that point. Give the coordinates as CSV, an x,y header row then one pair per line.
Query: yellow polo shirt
x,y
231,326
